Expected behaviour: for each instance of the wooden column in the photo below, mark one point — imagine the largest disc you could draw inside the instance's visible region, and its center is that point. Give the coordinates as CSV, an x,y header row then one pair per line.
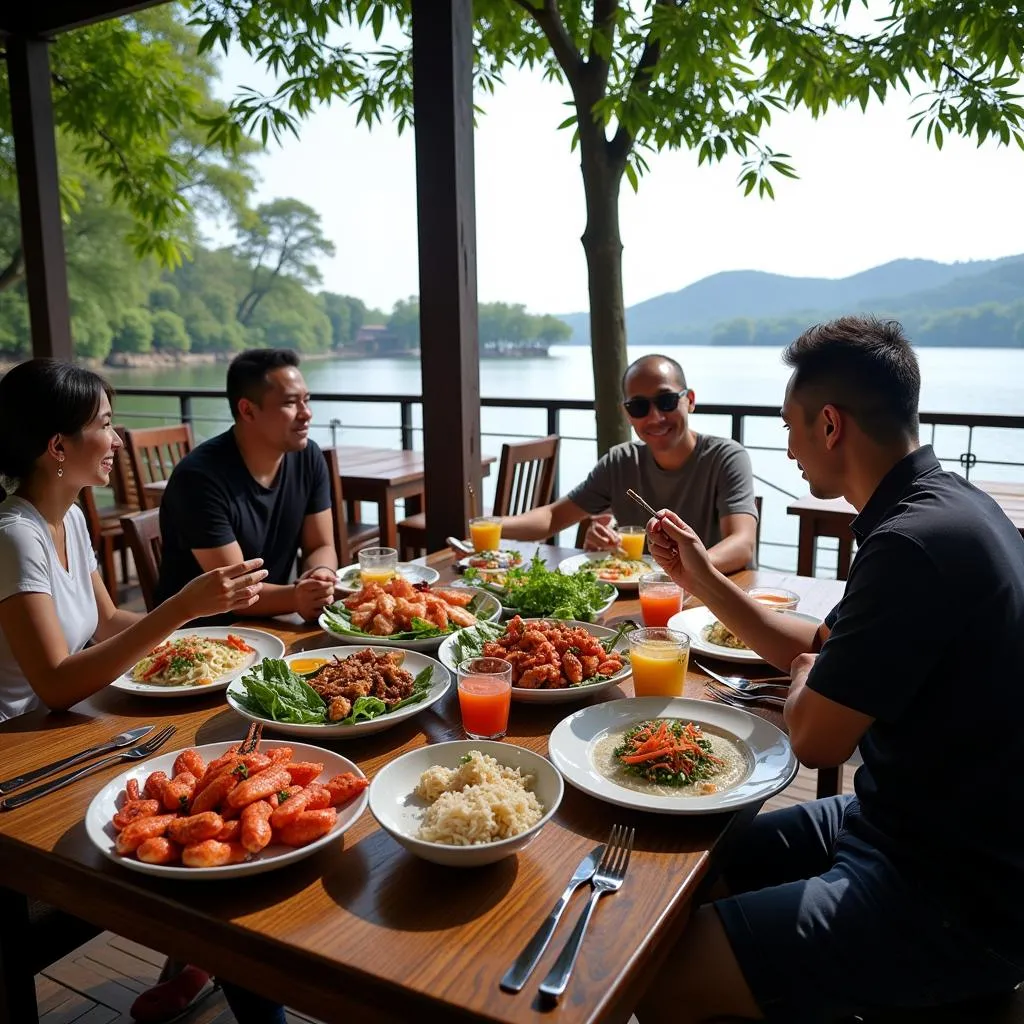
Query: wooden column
x,y
442,51
42,237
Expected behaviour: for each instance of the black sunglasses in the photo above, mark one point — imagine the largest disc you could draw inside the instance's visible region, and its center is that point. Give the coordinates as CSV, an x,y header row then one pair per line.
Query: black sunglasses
x,y
664,401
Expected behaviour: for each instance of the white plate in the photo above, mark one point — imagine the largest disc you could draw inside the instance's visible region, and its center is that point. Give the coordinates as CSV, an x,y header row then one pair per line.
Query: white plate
x,y
562,695
694,621
772,762
491,613
400,812
467,563
104,805
267,646
348,581
414,662
576,562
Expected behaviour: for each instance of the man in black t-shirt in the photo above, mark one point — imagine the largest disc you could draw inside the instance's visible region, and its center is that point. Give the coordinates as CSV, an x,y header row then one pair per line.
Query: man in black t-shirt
x,y
260,487
910,893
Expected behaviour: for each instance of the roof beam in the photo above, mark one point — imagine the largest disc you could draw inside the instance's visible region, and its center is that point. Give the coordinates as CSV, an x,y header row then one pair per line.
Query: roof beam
x,y
50,18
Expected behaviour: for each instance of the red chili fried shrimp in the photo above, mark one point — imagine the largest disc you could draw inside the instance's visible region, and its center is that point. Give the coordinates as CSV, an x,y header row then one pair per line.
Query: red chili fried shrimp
x,y
319,796
256,830
154,785
159,850
131,789
304,772
177,794
609,667
195,828
345,787
213,854
308,826
131,838
459,598
133,810
214,766
215,795
280,755
260,786
231,832
256,762
572,667
190,761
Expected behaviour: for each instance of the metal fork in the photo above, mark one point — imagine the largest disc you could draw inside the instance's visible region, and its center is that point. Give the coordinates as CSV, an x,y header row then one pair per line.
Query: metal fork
x,y
745,685
143,750
608,878
741,700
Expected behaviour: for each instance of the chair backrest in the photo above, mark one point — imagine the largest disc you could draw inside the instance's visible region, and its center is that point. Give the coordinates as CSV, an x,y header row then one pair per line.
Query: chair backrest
x,y
92,516
526,475
122,478
142,531
341,545
154,452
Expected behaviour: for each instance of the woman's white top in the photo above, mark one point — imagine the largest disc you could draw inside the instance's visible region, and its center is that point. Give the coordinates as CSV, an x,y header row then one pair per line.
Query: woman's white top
x,y
29,565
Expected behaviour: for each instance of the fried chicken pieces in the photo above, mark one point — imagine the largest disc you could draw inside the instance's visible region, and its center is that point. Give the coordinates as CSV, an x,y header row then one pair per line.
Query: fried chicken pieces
x,y
383,610
551,655
365,674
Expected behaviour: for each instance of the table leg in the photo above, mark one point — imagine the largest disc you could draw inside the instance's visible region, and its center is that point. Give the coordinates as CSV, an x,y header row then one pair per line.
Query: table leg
x,y
830,782
805,550
414,504
388,523
17,986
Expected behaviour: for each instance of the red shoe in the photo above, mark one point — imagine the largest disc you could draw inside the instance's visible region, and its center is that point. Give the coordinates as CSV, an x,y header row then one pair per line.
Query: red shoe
x,y
170,999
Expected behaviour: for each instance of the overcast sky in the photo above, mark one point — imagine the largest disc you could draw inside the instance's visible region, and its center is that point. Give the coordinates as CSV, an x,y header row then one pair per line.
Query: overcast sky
x,y
867,194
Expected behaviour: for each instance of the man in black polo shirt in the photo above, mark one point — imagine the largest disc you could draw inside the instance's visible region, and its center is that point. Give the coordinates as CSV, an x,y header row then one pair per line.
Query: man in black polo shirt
x,y
910,893
262,487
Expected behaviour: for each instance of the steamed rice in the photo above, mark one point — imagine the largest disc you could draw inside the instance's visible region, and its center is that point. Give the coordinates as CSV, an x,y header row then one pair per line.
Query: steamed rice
x,y
481,801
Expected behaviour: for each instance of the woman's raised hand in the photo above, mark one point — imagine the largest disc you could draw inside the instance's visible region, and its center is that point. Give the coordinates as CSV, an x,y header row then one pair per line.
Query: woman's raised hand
x,y
232,588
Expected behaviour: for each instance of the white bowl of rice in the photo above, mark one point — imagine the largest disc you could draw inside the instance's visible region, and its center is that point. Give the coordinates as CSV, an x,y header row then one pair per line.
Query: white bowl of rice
x,y
466,803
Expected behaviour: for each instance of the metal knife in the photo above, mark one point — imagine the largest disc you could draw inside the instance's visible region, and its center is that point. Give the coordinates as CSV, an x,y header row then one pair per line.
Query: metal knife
x,y
124,739
516,975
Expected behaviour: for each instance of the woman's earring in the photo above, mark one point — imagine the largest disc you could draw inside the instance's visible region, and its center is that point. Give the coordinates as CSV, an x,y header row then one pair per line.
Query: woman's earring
x,y
60,466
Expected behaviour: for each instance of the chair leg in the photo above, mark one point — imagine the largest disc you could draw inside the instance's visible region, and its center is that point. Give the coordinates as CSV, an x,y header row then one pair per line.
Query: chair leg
x,y
123,546
109,569
17,985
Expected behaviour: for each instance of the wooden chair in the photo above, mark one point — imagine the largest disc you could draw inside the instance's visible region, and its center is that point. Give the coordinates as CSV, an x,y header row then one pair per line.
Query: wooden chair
x,y
350,535
142,532
153,453
526,480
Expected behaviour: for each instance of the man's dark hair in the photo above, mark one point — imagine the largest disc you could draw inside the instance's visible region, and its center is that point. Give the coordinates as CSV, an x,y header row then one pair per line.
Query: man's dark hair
x,y
645,359
864,366
247,373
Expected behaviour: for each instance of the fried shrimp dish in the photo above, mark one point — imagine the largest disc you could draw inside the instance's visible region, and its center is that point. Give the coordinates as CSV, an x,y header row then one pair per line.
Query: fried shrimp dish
x,y
549,655
399,605
343,681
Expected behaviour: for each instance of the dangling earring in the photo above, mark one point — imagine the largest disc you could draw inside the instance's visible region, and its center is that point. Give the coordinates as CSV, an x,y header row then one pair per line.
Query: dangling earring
x,y
60,466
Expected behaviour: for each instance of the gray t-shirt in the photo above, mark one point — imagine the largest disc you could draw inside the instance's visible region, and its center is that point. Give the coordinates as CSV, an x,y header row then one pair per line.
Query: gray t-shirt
x,y
29,565
715,481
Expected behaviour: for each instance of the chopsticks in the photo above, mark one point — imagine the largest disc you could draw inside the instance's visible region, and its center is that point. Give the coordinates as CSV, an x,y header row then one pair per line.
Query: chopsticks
x,y
643,504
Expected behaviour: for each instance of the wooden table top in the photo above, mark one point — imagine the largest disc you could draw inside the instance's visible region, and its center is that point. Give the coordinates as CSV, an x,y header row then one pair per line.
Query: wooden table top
x,y
391,467
363,930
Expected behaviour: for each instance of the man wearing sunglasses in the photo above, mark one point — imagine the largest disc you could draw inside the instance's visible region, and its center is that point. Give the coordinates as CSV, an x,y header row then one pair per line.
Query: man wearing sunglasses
x,y
706,480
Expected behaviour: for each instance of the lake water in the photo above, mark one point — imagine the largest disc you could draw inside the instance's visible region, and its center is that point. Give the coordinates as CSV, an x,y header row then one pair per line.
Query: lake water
x,y
953,380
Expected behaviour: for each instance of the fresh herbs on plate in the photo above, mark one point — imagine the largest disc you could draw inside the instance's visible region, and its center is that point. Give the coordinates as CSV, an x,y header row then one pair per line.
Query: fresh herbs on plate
x,y
668,752
274,691
535,591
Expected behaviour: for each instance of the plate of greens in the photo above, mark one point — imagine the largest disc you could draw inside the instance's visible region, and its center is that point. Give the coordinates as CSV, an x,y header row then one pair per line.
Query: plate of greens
x,y
586,638
331,699
535,591
410,621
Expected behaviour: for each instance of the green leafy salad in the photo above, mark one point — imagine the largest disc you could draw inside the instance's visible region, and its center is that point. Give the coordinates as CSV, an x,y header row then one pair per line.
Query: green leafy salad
x,y
274,691
535,591
338,619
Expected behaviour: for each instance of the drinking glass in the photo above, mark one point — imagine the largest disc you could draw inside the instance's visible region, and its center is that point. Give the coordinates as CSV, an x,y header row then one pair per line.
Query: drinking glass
x,y
377,565
776,598
485,696
659,657
660,598
631,539
485,533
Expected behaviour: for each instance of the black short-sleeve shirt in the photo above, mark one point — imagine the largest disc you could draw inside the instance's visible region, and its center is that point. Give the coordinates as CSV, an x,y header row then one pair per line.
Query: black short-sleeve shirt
x,y
929,641
212,499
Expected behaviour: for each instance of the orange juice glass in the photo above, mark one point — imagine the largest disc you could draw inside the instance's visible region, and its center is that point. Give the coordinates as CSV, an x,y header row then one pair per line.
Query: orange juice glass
x,y
658,657
485,533
485,696
377,565
660,598
631,538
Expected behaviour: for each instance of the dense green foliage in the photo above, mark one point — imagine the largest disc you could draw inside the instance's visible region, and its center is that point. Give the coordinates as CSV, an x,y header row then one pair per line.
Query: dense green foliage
x,y
499,322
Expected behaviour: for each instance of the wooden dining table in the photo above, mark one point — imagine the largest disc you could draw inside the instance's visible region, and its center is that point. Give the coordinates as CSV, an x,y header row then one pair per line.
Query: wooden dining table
x,y
363,930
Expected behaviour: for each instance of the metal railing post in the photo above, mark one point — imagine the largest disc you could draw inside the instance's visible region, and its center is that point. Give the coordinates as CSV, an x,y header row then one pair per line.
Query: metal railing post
x,y
554,421
406,408
185,408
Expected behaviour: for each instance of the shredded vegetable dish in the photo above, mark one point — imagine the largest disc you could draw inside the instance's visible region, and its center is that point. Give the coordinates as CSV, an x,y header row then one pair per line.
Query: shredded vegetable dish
x,y
192,661
669,752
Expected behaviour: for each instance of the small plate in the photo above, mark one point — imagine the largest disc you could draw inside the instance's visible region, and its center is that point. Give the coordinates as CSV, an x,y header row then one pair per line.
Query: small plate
x,y
771,762
577,562
563,694
494,561
267,646
400,812
415,662
348,581
490,612
695,622
101,810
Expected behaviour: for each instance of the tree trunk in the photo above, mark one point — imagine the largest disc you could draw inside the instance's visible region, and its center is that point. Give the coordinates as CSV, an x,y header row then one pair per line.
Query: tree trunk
x,y
14,272
602,244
